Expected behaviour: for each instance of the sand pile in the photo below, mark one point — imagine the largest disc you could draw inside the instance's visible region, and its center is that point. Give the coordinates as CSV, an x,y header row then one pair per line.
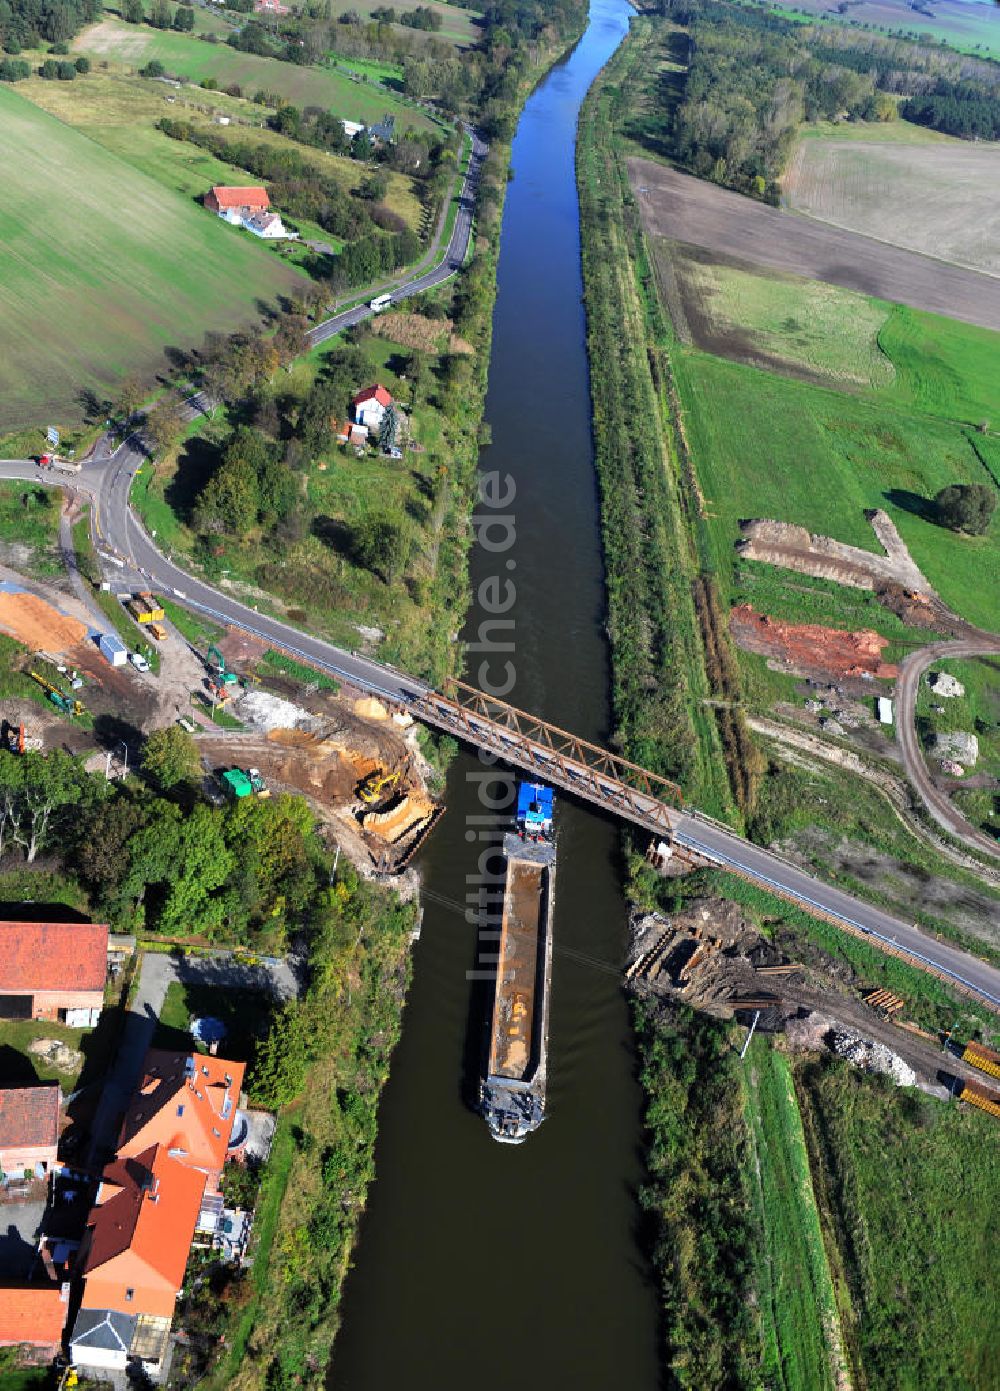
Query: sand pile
x,y
38,625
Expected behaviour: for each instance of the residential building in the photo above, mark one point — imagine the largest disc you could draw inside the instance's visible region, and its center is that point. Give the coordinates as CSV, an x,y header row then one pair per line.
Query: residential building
x,y
133,1259
187,1104
234,204
370,406
266,225
53,971
384,130
29,1128
271,7
32,1317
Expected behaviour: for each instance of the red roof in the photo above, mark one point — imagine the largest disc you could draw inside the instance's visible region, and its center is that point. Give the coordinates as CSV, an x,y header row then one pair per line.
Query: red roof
x,y
32,1314
29,1116
52,956
373,393
187,1103
253,197
140,1237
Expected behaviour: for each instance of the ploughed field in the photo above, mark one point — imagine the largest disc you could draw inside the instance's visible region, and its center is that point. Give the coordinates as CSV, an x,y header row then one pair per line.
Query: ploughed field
x,y
940,198
687,209
963,24
103,268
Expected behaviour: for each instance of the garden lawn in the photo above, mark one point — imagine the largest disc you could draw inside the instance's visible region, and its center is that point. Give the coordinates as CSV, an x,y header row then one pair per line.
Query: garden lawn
x,y
103,269
245,1013
767,446
190,57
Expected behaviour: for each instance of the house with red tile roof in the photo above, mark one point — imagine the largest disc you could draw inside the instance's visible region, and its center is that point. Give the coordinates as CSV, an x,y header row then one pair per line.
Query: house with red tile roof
x,y
234,204
32,1317
133,1258
29,1128
53,971
187,1103
371,405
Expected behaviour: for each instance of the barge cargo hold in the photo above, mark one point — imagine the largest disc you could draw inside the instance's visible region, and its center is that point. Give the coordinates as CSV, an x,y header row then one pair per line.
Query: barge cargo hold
x,y
513,1093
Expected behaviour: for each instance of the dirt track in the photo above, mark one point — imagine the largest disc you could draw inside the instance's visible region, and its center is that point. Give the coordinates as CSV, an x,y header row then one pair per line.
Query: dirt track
x,y
687,209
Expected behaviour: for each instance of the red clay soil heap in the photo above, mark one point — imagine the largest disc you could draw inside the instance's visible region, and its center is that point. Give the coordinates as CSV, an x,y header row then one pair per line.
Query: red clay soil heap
x,y
806,648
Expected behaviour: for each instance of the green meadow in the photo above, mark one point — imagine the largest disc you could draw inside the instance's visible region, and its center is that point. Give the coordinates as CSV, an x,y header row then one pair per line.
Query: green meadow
x,y
187,56
103,269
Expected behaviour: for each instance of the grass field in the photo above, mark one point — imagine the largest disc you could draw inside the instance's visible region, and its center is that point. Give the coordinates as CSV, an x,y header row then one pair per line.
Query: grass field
x,y
458,26
963,24
767,446
120,112
909,1189
132,46
977,712
939,197
802,326
103,269
797,1304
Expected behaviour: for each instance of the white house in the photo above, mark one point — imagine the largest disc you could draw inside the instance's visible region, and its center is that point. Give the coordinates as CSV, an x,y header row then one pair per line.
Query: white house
x,y
267,225
371,405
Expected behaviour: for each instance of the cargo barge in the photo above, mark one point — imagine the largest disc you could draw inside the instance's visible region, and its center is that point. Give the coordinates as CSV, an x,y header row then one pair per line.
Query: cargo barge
x,y
513,1089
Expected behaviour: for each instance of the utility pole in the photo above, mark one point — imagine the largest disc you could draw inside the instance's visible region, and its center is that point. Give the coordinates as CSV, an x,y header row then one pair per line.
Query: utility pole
x,y
750,1034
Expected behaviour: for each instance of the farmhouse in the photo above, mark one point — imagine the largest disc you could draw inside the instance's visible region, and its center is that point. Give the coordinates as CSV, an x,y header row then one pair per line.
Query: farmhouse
x,y
370,406
29,1128
266,225
187,1104
235,204
53,971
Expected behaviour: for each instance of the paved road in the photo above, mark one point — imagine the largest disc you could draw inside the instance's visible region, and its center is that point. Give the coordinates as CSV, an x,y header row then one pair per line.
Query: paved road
x,y
938,803
453,261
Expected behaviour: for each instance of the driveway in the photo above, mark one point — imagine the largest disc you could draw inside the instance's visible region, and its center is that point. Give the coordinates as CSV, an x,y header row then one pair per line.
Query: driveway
x,y
279,976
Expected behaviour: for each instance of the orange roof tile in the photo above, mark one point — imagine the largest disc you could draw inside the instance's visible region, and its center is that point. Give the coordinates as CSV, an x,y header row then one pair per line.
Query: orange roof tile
x,y
187,1103
32,1314
374,393
53,956
140,1238
251,197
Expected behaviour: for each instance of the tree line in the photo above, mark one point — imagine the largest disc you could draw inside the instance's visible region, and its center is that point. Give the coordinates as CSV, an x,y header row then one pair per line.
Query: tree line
x,y
31,23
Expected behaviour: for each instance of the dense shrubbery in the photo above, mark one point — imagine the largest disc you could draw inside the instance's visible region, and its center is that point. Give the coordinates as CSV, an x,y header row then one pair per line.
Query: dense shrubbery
x,y
965,109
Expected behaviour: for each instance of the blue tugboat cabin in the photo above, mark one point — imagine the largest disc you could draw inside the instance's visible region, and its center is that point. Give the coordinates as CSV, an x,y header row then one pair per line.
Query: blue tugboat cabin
x,y
534,810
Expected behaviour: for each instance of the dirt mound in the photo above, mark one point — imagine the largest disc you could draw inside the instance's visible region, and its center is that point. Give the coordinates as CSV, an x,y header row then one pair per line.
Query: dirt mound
x,y
808,649
38,625
56,1054
794,548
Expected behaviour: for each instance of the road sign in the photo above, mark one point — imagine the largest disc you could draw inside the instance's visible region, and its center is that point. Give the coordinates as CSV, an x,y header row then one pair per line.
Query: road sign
x,y
52,435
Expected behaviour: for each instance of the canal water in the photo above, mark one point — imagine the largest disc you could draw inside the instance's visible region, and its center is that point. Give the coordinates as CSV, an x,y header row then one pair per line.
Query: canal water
x,y
479,1264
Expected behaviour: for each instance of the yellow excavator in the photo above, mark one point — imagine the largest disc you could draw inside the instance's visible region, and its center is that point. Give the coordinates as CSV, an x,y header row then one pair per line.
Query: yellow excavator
x,y
375,786
58,698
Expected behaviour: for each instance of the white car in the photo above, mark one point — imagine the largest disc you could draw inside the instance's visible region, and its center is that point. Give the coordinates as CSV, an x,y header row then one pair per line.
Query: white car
x,y
138,661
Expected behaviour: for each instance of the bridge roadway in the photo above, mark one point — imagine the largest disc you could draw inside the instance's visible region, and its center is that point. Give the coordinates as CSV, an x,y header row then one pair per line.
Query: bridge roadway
x,y
609,785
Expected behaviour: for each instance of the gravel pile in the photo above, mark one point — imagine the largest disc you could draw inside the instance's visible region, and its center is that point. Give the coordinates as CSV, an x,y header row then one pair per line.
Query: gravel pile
x,y
261,710
873,1057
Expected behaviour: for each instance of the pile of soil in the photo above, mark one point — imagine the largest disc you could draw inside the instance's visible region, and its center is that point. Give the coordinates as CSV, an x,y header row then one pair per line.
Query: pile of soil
x,y
38,625
808,649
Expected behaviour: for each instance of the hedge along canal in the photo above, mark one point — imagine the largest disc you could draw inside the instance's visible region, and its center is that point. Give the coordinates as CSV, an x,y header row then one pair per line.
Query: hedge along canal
x,y
481,1264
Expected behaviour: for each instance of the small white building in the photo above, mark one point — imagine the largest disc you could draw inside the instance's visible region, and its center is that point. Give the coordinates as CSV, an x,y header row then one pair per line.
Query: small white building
x,y
371,405
267,225
884,710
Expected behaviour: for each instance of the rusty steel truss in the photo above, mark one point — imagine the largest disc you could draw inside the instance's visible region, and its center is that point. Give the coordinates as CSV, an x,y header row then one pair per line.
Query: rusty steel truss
x,y
552,753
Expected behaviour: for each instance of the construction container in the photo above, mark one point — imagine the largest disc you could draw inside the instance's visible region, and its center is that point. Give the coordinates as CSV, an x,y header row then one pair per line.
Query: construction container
x,y
146,608
236,782
986,1059
158,631
982,1097
112,649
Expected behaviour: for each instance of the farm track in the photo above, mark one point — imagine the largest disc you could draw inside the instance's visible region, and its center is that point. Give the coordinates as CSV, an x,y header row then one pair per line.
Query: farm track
x,y
683,208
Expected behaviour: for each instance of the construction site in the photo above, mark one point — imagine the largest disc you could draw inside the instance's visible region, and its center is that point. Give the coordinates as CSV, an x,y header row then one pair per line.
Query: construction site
x,y
258,730
711,957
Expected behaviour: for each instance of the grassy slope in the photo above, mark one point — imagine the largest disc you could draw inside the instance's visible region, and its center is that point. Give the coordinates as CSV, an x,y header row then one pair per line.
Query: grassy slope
x,y
457,25
766,446
193,58
909,1189
797,1304
120,112
115,270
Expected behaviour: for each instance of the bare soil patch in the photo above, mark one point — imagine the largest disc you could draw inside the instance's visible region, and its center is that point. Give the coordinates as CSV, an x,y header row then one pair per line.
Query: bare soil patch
x,y
39,625
686,209
807,649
